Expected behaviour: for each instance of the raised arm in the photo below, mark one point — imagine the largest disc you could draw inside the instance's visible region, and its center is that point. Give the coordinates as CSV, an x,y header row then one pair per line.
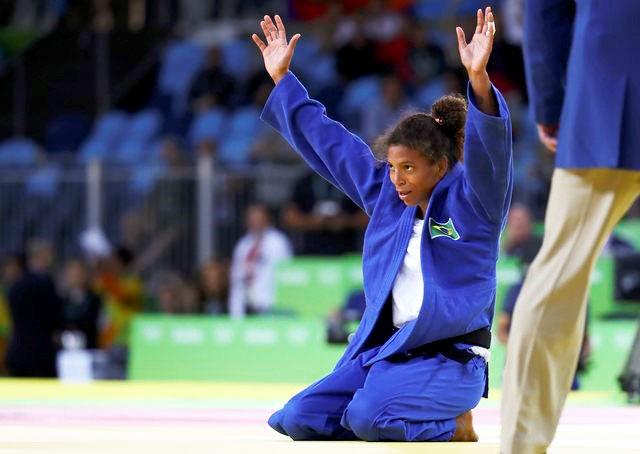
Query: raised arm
x,y
487,148
333,152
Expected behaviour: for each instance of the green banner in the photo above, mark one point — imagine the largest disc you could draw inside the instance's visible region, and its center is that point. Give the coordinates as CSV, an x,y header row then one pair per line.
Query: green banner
x,y
281,349
315,286
269,349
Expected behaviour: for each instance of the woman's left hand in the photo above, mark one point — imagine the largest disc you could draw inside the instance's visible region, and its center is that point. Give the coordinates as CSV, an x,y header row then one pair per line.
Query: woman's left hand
x,y
475,55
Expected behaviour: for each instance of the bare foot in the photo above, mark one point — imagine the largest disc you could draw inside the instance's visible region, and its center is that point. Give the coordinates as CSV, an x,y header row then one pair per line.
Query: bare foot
x,y
464,428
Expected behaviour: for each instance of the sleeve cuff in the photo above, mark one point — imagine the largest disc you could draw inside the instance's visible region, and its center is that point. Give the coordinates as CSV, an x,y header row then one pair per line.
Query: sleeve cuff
x,y
503,111
286,85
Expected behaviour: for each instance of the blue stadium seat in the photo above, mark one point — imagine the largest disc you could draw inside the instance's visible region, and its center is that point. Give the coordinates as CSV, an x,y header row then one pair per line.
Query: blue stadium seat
x,y
144,177
44,182
307,52
239,139
432,9
437,9
18,152
313,65
105,137
469,7
427,94
357,94
239,58
207,126
181,63
142,128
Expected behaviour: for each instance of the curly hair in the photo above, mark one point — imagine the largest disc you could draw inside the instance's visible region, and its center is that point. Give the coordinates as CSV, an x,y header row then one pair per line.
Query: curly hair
x,y
437,134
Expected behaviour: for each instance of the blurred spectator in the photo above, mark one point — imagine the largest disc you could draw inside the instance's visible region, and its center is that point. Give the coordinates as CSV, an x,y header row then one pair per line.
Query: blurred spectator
x,y
513,19
520,240
427,59
383,112
535,192
244,130
309,10
504,327
170,294
523,244
36,316
192,14
338,329
393,49
12,268
271,148
383,23
122,297
81,306
255,258
520,243
157,230
357,57
213,86
213,287
322,219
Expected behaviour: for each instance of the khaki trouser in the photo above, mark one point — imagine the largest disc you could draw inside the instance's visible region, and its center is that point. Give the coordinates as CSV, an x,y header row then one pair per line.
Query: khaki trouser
x,y
547,326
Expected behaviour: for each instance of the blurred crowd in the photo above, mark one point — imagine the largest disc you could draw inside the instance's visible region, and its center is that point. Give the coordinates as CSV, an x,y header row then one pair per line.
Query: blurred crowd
x,y
368,61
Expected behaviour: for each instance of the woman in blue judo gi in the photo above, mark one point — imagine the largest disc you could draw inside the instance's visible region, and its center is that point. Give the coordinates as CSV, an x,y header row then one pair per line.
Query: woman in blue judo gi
x,y
417,363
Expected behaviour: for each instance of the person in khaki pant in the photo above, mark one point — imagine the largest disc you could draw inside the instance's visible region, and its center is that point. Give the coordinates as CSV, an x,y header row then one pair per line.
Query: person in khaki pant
x,y
583,74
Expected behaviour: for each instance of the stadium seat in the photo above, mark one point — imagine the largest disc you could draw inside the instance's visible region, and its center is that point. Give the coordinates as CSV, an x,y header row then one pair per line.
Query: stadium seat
x,y
207,126
427,94
18,152
356,95
105,136
143,178
240,136
142,128
44,182
239,58
181,63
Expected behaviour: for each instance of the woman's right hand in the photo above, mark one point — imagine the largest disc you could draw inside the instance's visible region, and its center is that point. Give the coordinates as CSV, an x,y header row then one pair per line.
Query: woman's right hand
x,y
276,53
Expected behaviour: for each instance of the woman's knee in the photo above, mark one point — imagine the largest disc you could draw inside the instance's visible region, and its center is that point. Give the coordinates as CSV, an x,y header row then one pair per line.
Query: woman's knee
x,y
293,421
275,422
361,417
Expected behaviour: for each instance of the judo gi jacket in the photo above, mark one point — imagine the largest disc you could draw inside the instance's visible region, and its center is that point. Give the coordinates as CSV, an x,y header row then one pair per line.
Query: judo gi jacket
x,y
463,221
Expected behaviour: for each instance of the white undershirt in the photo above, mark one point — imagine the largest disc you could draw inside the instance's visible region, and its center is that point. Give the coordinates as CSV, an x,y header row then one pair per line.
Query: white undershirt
x,y
408,288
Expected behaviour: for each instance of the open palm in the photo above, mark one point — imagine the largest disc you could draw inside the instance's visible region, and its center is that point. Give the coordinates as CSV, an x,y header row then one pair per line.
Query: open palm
x,y
475,55
276,53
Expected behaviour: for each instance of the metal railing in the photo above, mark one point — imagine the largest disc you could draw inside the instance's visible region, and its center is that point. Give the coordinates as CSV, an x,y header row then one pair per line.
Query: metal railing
x,y
173,218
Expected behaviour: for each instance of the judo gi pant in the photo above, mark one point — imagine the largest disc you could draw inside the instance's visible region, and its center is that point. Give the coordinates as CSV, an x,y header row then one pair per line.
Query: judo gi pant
x,y
548,320
416,399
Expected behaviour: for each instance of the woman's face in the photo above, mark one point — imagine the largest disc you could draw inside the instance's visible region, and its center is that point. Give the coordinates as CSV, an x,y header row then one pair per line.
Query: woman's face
x,y
414,175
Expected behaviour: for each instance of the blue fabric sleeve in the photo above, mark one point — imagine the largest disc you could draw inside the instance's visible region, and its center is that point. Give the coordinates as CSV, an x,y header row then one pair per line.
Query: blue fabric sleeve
x,y
333,152
488,159
548,31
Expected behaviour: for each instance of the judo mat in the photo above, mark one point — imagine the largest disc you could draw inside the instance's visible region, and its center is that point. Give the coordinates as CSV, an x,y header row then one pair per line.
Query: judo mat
x,y
47,416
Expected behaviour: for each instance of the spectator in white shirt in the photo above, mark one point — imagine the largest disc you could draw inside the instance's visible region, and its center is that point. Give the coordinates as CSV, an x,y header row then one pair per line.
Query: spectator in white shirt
x,y
255,258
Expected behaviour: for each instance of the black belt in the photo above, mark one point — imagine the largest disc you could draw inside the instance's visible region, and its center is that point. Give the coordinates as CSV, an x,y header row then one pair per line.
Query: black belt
x,y
446,347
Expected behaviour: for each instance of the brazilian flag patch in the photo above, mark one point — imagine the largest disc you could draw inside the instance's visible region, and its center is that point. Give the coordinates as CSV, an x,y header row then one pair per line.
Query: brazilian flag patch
x,y
447,229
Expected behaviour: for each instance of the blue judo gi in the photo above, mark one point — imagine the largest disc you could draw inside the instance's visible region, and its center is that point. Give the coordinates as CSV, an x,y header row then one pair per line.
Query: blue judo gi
x,y
371,395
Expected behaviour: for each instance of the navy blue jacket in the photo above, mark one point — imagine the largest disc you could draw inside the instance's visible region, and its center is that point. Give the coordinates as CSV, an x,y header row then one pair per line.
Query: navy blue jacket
x,y
583,72
459,274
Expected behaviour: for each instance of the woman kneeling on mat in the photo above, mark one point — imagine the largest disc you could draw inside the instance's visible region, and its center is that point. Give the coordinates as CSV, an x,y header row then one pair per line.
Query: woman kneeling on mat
x,y
437,190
